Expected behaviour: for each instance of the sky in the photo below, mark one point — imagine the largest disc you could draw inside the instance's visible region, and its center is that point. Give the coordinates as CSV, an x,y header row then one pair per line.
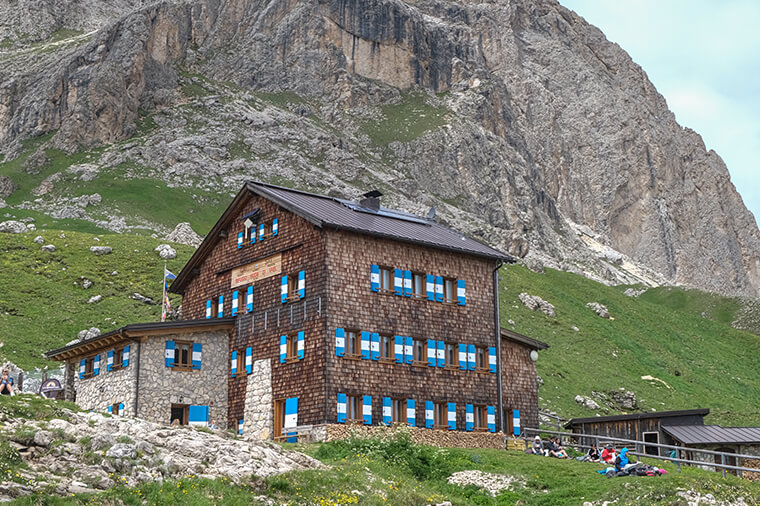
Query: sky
x,y
703,56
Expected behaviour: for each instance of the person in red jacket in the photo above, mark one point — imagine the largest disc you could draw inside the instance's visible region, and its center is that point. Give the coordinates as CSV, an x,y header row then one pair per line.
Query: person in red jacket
x,y
608,454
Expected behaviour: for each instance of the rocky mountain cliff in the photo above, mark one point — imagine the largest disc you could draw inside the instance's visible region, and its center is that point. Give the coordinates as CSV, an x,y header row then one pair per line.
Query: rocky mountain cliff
x,y
517,120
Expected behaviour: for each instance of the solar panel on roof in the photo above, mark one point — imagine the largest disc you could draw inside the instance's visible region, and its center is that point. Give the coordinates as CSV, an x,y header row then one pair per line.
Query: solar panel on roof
x,y
385,212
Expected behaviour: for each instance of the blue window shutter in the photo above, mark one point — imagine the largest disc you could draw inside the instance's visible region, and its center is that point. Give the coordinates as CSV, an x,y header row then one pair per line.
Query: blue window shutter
x,y
387,410
491,415
365,344
121,409
261,232
252,231
469,420
235,302
249,360
233,364
460,292
81,368
429,416
398,349
275,227
516,422
241,424
411,415
220,307
284,289
431,353
408,350
197,355
374,346
283,349
407,283
109,361
439,289
208,309
452,416
367,410
492,358
240,240
340,342
374,278
96,365
463,356
470,357
110,409
430,287
398,281
169,354
301,284
301,343
197,415
341,408
249,299
441,349
291,419
125,357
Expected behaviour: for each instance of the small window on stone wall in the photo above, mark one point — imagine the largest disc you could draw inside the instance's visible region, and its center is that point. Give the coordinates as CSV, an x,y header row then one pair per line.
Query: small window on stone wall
x,y
118,358
183,354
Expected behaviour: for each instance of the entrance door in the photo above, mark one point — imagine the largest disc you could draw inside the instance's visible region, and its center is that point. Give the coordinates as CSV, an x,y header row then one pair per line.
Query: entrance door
x,y
729,460
178,413
279,418
652,437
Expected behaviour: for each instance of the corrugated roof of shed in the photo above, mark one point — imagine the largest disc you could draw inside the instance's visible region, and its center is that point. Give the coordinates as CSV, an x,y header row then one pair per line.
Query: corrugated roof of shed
x,y
713,434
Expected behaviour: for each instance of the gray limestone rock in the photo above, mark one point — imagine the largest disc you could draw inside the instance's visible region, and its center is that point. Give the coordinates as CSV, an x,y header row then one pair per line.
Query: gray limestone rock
x,y
50,248
599,309
7,187
102,441
94,299
586,402
39,240
141,298
43,438
624,398
13,227
122,451
86,283
88,333
101,250
630,292
3,203
184,234
536,303
166,252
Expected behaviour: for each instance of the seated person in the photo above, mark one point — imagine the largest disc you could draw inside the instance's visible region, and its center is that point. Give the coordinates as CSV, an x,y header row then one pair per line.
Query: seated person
x,y
556,450
6,383
538,446
608,454
592,455
622,460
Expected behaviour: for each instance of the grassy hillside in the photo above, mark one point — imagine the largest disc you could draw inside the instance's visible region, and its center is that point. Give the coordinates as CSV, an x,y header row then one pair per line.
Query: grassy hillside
x,y
701,362
43,304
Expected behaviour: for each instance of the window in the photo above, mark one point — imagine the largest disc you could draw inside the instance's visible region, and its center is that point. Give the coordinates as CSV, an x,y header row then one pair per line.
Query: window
x,y
419,285
118,358
89,367
353,408
398,410
480,417
481,358
353,343
293,285
419,348
386,348
386,279
653,437
115,409
452,356
183,354
440,415
449,290
292,348
241,362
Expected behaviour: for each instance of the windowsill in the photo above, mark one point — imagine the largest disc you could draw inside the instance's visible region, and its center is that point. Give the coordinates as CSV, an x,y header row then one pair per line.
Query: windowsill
x,y
182,367
352,357
483,371
387,360
292,360
116,368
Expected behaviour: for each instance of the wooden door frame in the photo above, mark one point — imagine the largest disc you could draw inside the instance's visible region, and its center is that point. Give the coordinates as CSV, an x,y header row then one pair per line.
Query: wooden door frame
x,y
279,418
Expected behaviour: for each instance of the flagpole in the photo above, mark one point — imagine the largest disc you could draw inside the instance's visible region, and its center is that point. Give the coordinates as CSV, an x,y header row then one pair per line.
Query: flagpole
x,y
163,295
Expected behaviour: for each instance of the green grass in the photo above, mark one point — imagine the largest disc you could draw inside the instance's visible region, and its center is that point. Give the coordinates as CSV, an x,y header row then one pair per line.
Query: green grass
x,y
395,471
405,121
706,363
695,302
42,309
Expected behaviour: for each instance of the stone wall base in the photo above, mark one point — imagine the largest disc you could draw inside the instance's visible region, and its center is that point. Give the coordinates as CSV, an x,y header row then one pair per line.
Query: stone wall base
x,y
433,437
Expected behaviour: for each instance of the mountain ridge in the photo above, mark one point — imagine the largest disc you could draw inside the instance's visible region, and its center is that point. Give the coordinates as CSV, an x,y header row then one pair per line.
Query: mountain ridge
x,y
549,134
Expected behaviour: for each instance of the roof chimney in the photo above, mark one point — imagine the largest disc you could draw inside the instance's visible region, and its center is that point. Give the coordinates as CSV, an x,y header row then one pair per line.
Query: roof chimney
x,y
371,200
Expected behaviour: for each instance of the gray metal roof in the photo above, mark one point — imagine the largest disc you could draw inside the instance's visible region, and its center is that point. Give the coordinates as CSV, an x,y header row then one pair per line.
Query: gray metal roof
x,y
638,416
342,214
706,434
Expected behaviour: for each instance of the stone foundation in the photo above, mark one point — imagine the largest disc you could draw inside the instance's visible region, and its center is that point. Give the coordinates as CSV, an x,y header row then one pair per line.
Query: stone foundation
x,y
434,437
258,411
